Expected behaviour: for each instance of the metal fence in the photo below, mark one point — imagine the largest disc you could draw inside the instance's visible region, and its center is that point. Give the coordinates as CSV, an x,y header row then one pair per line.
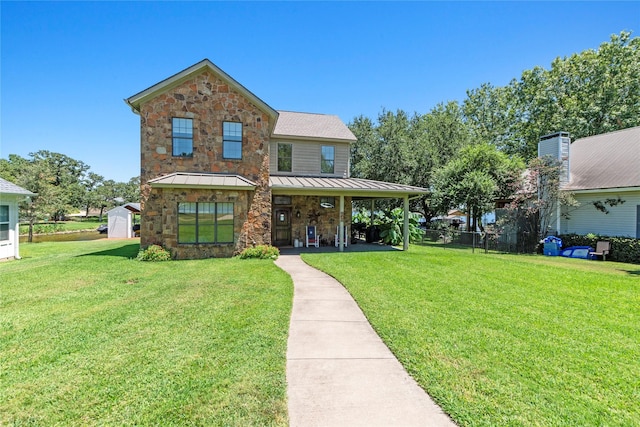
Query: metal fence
x,y
503,242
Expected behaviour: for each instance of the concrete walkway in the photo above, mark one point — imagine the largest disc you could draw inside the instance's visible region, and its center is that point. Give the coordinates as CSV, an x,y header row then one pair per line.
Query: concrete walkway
x,y
339,372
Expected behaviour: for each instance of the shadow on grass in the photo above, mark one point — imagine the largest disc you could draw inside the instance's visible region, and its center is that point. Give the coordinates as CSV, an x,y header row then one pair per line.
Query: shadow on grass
x,y
632,272
126,251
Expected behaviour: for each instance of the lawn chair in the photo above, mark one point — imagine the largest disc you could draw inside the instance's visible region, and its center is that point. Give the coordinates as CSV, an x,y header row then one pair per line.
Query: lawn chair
x,y
346,236
311,237
603,248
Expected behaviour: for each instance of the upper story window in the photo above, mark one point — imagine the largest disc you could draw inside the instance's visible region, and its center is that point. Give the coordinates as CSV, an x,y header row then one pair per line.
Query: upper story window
x,y
284,157
4,222
182,136
205,222
232,140
327,159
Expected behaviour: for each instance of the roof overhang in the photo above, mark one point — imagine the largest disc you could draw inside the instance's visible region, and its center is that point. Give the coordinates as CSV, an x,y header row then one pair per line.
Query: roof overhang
x,y
600,190
212,181
352,187
136,101
287,138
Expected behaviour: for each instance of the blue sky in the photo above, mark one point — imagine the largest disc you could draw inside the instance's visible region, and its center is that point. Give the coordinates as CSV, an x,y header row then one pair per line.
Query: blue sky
x,y
67,66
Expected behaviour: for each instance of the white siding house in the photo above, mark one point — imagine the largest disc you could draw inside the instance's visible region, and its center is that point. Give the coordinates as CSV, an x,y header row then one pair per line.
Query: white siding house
x,y
601,168
10,196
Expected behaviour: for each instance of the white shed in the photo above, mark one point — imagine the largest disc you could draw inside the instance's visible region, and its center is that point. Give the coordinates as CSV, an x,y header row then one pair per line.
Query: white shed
x,y
120,221
10,196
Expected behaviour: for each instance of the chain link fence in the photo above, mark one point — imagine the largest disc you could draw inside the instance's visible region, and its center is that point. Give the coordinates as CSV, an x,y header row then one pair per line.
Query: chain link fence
x,y
504,242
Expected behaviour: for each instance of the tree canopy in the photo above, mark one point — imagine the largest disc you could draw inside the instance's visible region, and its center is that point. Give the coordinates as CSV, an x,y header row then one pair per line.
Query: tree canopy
x,y
63,185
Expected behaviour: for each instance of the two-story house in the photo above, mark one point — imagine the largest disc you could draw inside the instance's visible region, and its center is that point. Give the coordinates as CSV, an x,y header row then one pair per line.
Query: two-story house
x,y
221,170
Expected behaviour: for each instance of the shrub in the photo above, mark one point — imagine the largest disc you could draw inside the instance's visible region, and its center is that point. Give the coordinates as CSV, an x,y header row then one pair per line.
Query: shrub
x,y
623,249
260,252
154,253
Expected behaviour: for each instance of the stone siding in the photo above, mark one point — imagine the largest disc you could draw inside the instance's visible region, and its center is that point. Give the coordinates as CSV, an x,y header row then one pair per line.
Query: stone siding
x,y
209,101
325,220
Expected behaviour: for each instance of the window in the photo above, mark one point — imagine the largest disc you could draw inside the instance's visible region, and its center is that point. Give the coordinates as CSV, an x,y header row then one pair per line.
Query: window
x,y
205,222
326,162
231,140
182,134
4,222
284,157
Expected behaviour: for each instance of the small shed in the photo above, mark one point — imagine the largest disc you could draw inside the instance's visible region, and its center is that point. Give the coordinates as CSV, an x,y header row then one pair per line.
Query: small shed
x,y
121,221
10,196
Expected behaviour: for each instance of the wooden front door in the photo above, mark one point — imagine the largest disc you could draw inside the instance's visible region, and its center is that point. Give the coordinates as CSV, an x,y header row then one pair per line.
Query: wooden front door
x,y
282,226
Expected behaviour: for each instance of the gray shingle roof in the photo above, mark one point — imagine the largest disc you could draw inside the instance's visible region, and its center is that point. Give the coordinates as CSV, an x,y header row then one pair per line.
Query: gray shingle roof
x,y
203,180
7,187
347,186
308,125
609,160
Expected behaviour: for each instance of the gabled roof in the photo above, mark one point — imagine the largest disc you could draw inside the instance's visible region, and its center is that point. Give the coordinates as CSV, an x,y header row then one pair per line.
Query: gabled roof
x,y
308,125
606,161
140,98
354,187
203,180
7,187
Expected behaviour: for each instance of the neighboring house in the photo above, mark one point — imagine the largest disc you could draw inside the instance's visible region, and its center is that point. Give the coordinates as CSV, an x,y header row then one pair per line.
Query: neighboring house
x,y
598,169
10,196
221,170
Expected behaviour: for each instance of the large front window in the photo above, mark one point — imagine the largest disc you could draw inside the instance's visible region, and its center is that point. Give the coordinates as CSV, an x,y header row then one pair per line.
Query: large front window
x,y
182,136
284,157
327,159
232,140
4,222
205,223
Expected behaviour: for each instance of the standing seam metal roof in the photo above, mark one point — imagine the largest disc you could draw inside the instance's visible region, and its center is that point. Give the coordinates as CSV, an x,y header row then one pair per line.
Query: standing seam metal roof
x,y
354,184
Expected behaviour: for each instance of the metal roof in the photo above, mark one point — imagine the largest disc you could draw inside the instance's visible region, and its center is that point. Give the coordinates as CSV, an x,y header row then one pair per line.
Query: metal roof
x,y
309,125
609,160
346,186
7,187
203,180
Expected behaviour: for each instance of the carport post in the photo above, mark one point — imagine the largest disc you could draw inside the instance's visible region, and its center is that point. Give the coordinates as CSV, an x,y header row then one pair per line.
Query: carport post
x,y
405,230
341,228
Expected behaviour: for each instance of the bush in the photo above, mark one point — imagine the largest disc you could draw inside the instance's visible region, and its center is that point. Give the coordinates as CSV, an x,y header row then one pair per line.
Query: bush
x,y
154,253
260,252
623,249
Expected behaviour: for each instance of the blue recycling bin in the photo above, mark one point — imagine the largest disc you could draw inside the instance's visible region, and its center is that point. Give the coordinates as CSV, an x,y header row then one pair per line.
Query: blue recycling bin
x,y
552,246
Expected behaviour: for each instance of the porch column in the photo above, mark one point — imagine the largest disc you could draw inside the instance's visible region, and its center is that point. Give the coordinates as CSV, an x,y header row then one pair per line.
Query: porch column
x,y
405,230
341,227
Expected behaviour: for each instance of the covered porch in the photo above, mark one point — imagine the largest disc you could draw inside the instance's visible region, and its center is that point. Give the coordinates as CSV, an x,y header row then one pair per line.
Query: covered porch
x,y
326,204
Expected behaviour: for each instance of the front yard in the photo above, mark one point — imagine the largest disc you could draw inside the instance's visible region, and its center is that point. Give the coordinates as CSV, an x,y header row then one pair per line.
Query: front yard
x,y
89,336
506,339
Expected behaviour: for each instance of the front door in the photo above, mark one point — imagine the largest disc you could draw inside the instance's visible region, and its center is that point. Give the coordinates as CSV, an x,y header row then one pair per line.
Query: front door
x,y
282,227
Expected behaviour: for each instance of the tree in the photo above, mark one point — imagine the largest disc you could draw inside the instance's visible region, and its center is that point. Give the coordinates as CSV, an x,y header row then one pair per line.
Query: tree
x,y
92,183
475,180
587,93
406,150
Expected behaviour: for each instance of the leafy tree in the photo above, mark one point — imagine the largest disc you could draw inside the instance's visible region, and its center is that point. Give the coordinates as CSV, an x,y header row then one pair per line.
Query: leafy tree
x,y
406,150
92,183
475,180
587,93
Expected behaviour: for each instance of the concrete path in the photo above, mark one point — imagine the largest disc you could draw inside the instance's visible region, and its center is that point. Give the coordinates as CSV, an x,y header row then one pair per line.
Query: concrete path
x,y
339,372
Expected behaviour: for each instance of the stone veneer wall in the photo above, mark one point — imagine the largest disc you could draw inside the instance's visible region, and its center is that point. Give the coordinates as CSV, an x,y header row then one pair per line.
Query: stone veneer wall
x,y
209,101
325,220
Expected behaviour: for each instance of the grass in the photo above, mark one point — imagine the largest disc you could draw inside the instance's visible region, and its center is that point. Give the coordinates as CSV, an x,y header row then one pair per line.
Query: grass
x,y
506,339
89,336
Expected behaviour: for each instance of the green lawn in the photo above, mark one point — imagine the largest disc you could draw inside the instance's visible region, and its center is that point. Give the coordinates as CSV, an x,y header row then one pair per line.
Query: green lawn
x,y
89,336
506,339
